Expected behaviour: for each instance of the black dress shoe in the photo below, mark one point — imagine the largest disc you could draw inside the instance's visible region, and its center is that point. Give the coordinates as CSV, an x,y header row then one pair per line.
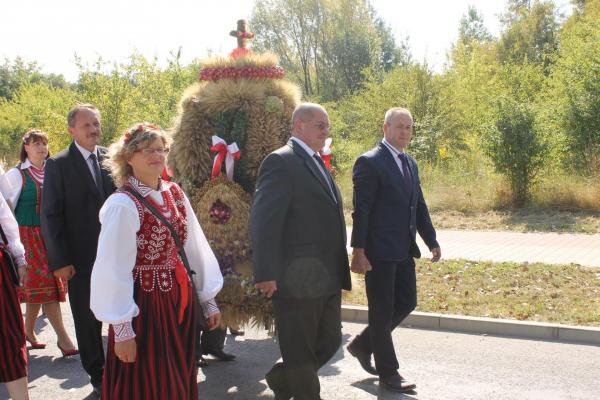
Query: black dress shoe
x,y
397,383
221,355
363,357
236,332
201,362
277,388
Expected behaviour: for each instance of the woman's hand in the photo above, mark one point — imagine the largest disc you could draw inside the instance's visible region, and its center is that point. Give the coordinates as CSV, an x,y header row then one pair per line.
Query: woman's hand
x,y
22,274
126,350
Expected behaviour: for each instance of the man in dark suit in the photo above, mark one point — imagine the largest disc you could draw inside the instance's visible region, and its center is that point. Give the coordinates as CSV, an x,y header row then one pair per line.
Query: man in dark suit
x,y
299,254
75,187
388,211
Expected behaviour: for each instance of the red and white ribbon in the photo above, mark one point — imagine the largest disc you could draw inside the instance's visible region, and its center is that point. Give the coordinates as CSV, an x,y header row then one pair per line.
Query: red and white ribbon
x,y
326,153
226,152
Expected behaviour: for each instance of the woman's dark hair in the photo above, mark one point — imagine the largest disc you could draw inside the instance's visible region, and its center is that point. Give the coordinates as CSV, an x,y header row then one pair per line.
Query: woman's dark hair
x,y
32,136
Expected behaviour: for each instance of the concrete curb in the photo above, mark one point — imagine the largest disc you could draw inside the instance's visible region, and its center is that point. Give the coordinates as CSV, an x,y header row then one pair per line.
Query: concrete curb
x,y
488,326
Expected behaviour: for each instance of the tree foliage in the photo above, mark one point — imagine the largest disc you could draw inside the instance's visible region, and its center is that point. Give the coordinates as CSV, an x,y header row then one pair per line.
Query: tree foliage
x,y
530,33
515,148
326,45
138,90
14,74
526,103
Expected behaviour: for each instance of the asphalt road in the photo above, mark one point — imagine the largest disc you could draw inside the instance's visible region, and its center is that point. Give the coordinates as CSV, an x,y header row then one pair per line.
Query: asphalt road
x,y
444,365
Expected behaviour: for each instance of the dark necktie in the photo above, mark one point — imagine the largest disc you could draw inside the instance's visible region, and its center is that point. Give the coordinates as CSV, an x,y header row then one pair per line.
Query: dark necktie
x,y
406,177
97,175
326,175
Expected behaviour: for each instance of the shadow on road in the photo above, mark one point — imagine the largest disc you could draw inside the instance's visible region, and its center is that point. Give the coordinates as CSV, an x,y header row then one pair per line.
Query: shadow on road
x,y
244,378
371,386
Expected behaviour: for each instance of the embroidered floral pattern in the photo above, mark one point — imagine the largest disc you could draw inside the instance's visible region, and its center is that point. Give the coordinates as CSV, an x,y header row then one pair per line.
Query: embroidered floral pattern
x,y
156,250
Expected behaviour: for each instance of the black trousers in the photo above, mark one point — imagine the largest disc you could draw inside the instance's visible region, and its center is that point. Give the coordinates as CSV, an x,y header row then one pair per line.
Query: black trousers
x,y
211,340
392,295
87,329
309,334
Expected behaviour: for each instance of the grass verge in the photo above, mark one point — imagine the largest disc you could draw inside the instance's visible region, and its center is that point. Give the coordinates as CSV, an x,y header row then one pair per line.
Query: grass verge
x,y
564,294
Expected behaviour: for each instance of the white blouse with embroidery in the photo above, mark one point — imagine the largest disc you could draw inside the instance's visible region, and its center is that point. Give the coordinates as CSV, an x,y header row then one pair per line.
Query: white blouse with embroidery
x,y
11,184
112,281
11,230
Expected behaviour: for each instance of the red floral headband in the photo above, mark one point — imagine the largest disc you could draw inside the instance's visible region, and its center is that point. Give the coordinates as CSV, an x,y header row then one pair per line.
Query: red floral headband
x,y
130,133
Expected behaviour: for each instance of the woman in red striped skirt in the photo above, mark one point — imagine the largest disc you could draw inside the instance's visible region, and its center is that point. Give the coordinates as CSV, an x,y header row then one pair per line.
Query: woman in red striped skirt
x,y
22,188
13,353
139,283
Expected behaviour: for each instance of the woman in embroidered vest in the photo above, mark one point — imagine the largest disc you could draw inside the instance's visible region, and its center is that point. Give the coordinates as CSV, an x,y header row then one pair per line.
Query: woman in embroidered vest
x,y
139,284
13,353
22,189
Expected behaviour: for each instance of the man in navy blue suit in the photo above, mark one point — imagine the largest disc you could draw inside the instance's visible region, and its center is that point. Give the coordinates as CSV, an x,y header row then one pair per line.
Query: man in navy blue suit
x,y
388,211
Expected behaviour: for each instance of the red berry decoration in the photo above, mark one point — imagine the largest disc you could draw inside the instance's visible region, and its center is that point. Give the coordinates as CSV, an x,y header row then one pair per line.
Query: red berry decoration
x,y
215,74
219,213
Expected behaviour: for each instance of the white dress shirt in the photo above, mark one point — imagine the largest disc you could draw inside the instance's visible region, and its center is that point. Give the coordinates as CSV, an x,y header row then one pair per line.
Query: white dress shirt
x,y
395,153
86,156
312,153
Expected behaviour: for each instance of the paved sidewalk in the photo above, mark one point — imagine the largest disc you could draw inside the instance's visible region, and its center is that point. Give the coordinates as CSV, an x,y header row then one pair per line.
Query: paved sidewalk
x,y
550,248
444,365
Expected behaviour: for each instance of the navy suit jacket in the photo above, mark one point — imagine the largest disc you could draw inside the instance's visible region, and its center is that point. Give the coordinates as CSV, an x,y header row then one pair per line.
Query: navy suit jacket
x,y
386,217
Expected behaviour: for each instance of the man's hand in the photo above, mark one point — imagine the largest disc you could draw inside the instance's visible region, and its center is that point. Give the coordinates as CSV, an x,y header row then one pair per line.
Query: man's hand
x,y
65,273
267,288
360,263
436,254
213,321
126,350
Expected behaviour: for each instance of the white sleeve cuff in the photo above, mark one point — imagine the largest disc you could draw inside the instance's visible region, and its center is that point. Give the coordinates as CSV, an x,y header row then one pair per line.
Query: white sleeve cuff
x,y
210,308
123,331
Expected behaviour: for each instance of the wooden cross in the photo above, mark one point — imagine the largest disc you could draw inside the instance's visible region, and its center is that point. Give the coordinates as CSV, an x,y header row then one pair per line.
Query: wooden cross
x,y
242,33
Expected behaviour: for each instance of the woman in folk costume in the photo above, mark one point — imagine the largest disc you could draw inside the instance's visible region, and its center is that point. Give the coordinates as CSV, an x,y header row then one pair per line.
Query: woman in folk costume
x,y
13,353
140,283
22,189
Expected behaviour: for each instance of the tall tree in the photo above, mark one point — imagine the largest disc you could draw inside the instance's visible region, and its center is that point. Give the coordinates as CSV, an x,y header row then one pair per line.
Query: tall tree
x,y
326,45
574,89
392,53
530,33
472,28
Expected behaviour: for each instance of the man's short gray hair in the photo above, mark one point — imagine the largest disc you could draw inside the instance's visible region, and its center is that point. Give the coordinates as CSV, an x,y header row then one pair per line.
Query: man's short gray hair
x,y
395,110
73,112
304,112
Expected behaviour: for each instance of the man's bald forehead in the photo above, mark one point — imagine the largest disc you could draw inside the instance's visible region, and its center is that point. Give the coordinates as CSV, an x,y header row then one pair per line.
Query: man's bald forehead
x,y
389,115
306,111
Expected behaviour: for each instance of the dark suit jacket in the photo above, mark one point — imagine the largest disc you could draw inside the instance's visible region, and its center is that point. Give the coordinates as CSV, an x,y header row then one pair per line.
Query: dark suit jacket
x,y
297,228
70,206
386,218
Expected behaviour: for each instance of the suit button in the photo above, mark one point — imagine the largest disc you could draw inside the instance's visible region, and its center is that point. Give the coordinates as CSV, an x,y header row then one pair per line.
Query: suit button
x,y
411,227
